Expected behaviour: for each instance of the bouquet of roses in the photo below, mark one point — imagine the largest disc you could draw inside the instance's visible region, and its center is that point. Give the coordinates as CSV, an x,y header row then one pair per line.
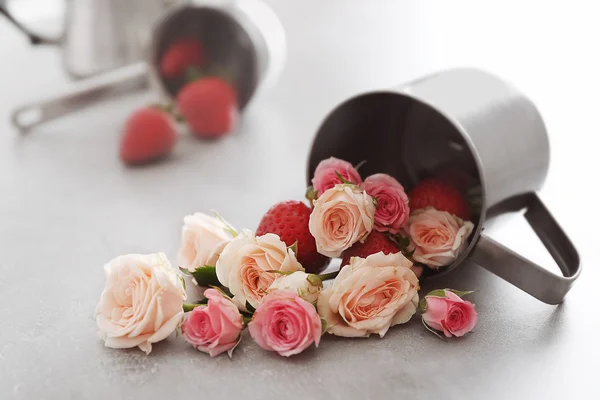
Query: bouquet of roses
x,y
272,282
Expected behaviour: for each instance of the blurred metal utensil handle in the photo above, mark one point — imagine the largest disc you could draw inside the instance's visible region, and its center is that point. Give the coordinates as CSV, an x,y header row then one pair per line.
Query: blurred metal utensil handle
x,y
85,93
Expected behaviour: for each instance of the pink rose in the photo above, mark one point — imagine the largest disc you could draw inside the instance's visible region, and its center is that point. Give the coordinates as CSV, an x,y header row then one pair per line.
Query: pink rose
x,y
437,237
341,216
449,314
214,328
325,175
285,323
370,295
392,202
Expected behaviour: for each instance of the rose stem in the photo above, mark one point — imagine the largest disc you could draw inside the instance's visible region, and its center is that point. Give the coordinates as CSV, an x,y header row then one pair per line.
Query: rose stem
x,y
328,276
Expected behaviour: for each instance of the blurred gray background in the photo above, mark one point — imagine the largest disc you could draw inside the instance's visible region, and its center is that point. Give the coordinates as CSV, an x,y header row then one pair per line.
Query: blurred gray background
x,y
67,206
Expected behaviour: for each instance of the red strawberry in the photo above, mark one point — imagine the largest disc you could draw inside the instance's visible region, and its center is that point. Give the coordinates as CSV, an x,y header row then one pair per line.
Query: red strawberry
x,y
441,196
375,242
289,220
149,133
181,54
209,106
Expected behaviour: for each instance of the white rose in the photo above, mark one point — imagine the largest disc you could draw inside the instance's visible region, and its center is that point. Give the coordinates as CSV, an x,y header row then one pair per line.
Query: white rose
x,y
370,295
203,237
244,262
142,302
342,216
437,237
307,286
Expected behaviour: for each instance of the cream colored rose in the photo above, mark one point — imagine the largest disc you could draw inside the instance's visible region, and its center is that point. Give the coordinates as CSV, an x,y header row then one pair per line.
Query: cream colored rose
x,y
244,262
203,237
370,295
142,302
342,216
437,237
307,286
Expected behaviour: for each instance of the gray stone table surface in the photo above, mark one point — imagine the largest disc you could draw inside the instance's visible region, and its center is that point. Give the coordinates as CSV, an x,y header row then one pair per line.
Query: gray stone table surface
x,y
67,206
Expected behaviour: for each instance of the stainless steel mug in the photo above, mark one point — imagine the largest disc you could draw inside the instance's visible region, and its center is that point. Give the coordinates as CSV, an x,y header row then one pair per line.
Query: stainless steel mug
x,y
242,37
468,121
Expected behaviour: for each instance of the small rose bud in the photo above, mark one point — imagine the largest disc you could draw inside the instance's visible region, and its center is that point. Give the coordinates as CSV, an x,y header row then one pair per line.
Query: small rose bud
x,y
307,286
445,311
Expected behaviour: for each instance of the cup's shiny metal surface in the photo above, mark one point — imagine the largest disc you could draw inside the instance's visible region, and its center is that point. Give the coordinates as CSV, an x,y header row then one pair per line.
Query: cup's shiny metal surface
x,y
470,123
243,38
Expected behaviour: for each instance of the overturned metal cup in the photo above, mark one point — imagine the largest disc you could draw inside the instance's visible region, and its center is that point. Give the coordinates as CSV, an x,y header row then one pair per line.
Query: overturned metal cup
x,y
472,122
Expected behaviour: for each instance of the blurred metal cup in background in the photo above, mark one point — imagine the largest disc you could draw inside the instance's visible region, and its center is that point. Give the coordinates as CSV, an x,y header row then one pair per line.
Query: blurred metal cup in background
x,y
243,37
478,126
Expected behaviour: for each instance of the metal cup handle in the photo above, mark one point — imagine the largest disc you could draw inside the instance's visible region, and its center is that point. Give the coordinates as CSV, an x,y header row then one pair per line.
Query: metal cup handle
x,y
523,273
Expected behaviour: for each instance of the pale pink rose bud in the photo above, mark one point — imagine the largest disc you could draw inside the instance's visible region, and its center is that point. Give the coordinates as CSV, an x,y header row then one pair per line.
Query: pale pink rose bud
x,y
203,237
325,174
392,202
437,237
285,323
307,286
443,310
215,327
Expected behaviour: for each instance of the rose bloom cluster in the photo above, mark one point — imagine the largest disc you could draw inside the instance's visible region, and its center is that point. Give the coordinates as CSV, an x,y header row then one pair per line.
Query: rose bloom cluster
x,y
347,209
256,281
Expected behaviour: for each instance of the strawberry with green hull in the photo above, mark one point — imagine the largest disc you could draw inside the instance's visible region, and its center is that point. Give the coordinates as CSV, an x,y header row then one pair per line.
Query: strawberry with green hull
x,y
441,196
289,220
149,134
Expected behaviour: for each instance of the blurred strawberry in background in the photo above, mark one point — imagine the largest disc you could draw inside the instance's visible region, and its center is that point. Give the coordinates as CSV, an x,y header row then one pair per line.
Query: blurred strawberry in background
x,y
149,134
180,55
209,106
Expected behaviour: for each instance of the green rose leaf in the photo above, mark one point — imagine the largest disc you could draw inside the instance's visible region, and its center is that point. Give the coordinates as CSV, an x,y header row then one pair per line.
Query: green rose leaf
x,y
431,330
344,180
230,229
311,194
422,305
206,276
223,290
437,293
185,271
459,293
190,306
375,201
323,326
294,248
